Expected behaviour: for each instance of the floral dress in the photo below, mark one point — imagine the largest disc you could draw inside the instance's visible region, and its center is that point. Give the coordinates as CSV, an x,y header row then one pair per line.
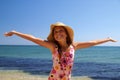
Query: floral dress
x,y
62,67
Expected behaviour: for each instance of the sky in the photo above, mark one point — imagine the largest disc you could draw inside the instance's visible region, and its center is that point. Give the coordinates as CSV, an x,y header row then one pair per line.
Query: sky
x,y
90,19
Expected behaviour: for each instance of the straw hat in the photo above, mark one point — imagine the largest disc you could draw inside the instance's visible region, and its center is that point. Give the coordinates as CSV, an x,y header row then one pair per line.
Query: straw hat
x,y
69,30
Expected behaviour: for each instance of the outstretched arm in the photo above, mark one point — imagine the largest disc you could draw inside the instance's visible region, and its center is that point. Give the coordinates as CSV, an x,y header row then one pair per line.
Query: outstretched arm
x,y
31,38
79,45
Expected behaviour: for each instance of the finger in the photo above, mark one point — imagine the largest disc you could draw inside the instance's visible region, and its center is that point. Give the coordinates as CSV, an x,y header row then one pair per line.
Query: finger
x,y
5,34
114,40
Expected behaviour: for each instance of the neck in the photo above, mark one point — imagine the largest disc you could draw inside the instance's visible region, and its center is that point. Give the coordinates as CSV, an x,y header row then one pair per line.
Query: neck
x,y
63,44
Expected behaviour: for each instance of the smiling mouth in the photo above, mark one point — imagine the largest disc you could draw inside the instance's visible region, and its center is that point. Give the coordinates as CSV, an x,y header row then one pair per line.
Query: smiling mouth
x,y
59,37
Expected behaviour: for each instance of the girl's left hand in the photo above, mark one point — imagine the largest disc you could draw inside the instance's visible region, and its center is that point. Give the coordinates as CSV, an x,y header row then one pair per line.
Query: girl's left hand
x,y
112,40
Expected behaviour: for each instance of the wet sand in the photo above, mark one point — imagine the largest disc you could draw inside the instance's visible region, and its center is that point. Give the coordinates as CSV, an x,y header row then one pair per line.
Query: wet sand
x,y
20,75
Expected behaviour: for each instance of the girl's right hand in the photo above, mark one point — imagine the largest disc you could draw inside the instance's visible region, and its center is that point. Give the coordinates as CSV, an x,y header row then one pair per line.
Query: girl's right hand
x,y
9,33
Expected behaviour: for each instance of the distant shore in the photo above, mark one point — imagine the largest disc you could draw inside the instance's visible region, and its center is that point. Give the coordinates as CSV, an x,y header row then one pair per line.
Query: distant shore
x,y
20,75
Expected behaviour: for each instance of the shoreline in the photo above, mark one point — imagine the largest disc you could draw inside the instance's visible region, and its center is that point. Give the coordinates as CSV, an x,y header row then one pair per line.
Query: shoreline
x,y
20,75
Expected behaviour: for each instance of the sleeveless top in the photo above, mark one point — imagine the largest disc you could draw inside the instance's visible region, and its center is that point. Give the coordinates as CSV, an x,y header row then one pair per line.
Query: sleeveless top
x,y
62,67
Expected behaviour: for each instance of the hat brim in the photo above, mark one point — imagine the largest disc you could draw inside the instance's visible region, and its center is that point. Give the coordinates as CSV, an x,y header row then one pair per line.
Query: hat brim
x,y
69,30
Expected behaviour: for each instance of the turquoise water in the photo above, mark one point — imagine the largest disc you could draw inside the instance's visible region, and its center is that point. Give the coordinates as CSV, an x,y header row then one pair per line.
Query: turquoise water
x,y
24,51
106,54
98,63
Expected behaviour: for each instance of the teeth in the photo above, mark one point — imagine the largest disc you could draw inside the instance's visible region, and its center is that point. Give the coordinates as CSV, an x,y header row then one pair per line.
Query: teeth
x,y
59,36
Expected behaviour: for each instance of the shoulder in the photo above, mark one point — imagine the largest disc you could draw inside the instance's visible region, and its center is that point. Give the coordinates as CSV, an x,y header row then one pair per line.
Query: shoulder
x,y
78,45
74,44
52,46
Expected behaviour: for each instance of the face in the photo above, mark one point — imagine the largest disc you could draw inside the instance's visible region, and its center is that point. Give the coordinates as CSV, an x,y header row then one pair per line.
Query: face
x,y
59,34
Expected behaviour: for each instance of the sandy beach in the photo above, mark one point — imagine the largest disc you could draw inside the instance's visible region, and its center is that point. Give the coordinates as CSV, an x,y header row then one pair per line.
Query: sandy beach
x,y
20,75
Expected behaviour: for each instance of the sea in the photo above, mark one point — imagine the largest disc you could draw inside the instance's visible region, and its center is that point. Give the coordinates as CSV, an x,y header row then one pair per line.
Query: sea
x,y
98,62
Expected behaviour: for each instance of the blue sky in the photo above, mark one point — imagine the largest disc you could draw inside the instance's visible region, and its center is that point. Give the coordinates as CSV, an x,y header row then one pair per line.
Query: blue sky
x,y
90,19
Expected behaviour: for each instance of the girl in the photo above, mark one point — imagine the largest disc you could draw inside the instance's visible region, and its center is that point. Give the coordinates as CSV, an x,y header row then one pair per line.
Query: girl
x,y
60,42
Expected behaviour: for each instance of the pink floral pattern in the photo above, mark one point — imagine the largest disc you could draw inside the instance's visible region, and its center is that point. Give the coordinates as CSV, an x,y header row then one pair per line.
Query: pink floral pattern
x,y
62,67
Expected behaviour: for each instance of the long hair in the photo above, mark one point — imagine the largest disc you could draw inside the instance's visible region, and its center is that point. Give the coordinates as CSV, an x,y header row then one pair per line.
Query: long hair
x,y
68,40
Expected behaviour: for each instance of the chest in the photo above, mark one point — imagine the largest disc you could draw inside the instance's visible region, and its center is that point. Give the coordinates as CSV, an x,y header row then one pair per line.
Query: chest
x,y
65,57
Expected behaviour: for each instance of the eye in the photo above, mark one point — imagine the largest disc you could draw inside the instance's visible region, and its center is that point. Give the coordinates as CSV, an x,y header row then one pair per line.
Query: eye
x,y
55,31
61,31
